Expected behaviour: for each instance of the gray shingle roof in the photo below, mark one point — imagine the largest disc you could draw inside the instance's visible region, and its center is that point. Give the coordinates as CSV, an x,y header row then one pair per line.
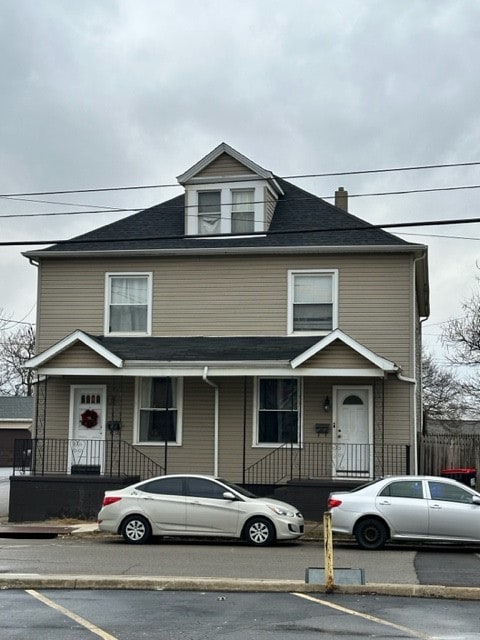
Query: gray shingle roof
x,y
16,408
201,349
300,219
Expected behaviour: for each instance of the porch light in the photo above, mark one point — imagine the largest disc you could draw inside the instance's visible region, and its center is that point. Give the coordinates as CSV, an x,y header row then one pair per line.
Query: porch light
x,y
326,404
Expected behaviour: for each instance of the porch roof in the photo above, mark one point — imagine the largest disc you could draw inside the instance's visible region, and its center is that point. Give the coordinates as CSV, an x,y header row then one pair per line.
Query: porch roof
x,y
224,355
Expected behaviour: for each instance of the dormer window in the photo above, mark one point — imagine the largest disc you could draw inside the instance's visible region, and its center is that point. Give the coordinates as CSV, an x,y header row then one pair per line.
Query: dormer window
x,y
243,211
209,212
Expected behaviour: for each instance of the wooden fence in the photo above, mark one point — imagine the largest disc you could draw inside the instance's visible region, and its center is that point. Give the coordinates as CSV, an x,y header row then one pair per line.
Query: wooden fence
x,y
445,451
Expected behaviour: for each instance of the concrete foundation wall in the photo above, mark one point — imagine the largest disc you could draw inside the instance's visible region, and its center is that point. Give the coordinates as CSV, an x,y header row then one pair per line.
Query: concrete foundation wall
x,y
39,498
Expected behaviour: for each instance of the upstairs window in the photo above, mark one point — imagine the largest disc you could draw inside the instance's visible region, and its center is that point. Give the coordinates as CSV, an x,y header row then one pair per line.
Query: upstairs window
x,y
209,212
312,301
243,211
128,303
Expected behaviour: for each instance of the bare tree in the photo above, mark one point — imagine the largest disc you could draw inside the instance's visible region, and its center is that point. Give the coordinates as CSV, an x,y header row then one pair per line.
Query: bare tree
x,y
16,347
461,337
443,394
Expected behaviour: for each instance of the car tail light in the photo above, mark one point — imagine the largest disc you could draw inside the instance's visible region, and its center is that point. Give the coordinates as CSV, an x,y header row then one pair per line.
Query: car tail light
x,y
109,500
334,502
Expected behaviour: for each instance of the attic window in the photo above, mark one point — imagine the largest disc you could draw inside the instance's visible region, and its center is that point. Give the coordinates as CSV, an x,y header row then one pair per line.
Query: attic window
x,y
243,211
209,212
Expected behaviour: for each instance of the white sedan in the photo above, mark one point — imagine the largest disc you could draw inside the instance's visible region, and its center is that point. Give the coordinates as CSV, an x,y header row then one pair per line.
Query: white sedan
x,y
196,505
420,508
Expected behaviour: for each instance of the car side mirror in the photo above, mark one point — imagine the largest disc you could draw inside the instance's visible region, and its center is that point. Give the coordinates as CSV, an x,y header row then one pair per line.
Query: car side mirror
x,y
476,500
228,495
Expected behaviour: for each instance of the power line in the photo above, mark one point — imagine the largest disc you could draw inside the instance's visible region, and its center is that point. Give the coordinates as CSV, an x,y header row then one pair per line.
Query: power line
x,y
195,206
221,236
288,177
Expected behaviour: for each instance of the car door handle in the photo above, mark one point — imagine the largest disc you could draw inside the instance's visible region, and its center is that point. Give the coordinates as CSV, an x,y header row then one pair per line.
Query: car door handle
x,y
435,506
383,502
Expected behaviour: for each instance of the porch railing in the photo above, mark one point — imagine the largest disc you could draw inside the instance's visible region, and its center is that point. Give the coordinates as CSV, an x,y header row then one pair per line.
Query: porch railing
x,y
54,456
316,460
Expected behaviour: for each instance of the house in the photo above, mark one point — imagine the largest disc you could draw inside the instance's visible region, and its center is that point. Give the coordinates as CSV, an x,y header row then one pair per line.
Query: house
x,y
247,329
15,423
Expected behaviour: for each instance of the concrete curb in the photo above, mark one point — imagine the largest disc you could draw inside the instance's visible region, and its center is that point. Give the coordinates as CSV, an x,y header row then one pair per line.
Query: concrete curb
x,y
163,583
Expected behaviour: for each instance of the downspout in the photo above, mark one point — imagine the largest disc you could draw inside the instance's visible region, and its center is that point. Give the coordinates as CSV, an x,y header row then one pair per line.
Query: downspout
x,y
215,429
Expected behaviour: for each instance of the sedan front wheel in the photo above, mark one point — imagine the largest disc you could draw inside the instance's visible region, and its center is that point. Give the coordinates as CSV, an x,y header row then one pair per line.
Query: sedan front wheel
x,y
259,532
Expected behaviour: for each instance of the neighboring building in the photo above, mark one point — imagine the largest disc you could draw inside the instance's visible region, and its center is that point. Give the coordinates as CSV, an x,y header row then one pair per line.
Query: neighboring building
x,y
258,331
15,423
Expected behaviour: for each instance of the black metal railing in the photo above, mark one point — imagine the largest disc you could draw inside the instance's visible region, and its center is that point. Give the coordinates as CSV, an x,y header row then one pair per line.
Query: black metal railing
x,y
53,456
327,460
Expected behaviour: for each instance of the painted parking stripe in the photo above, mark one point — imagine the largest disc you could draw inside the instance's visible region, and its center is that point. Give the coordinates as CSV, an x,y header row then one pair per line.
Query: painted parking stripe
x,y
366,616
73,616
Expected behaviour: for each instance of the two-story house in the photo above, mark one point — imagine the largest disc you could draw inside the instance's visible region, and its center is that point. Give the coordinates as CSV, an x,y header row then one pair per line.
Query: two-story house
x,y
246,328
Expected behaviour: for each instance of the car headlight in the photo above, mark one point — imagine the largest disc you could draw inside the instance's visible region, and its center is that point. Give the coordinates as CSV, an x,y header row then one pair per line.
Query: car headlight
x,y
280,511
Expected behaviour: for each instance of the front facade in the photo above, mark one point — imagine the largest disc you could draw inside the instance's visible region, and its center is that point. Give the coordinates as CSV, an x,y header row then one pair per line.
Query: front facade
x,y
246,329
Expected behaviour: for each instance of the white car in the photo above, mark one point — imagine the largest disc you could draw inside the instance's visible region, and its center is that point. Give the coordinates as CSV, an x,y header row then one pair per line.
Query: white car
x,y
196,505
419,508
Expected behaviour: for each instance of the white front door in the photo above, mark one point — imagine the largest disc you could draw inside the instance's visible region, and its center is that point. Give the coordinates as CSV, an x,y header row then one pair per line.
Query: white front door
x,y
352,432
87,426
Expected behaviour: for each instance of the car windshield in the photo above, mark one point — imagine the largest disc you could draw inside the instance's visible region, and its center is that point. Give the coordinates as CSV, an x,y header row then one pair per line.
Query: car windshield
x,y
240,490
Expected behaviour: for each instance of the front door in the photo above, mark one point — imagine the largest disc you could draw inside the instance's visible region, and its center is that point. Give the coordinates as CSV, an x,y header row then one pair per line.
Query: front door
x,y
352,432
87,428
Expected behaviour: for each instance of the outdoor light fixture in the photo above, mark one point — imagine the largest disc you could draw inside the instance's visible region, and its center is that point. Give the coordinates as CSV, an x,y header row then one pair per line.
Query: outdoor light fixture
x,y
326,404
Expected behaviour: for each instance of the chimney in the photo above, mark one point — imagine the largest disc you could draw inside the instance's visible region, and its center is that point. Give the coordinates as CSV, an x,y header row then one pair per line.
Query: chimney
x,y
341,198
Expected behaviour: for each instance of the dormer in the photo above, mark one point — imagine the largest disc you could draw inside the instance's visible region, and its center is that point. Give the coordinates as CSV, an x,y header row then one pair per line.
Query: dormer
x,y
228,194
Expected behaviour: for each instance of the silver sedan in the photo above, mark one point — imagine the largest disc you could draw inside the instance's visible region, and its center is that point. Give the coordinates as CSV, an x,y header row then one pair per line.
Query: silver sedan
x,y
427,508
195,505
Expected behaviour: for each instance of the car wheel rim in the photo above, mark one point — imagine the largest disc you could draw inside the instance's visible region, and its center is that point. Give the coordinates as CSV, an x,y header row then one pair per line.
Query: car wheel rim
x,y
258,532
135,530
371,534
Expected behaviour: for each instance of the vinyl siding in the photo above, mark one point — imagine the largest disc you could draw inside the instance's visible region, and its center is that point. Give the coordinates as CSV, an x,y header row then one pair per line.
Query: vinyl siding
x,y
337,356
224,165
236,295
79,356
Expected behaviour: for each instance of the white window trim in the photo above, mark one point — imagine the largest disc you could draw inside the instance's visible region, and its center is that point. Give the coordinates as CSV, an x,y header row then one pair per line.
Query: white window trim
x,y
291,279
136,417
226,198
256,405
108,279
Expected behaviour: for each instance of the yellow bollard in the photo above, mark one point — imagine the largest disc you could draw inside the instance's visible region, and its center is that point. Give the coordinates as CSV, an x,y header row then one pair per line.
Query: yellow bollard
x,y
328,550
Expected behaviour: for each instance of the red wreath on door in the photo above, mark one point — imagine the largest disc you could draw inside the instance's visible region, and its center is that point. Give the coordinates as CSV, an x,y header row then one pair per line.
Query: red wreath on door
x,y
89,418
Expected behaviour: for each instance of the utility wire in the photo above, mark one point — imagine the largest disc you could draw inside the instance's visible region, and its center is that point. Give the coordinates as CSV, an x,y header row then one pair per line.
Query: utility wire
x,y
289,177
222,236
195,206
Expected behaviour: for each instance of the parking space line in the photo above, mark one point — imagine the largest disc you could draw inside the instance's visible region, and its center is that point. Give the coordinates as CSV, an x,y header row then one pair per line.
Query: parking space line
x,y
73,616
366,616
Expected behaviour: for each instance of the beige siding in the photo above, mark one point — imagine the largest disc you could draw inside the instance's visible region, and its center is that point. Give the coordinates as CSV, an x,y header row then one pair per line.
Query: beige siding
x,y
270,204
224,165
229,295
79,355
337,355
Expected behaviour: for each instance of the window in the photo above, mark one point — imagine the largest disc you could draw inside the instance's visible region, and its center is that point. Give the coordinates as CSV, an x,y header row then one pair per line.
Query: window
x,y
404,489
128,303
160,399
209,212
164,486
449,492
202,488
278,410
312,301
243,213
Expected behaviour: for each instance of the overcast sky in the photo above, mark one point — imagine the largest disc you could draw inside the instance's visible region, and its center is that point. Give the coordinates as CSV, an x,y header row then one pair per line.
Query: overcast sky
x,y
109,93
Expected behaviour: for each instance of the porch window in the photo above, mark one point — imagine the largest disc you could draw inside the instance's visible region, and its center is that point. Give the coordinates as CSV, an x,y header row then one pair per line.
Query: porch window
x,y
278,410
312,301
159,410
128,303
